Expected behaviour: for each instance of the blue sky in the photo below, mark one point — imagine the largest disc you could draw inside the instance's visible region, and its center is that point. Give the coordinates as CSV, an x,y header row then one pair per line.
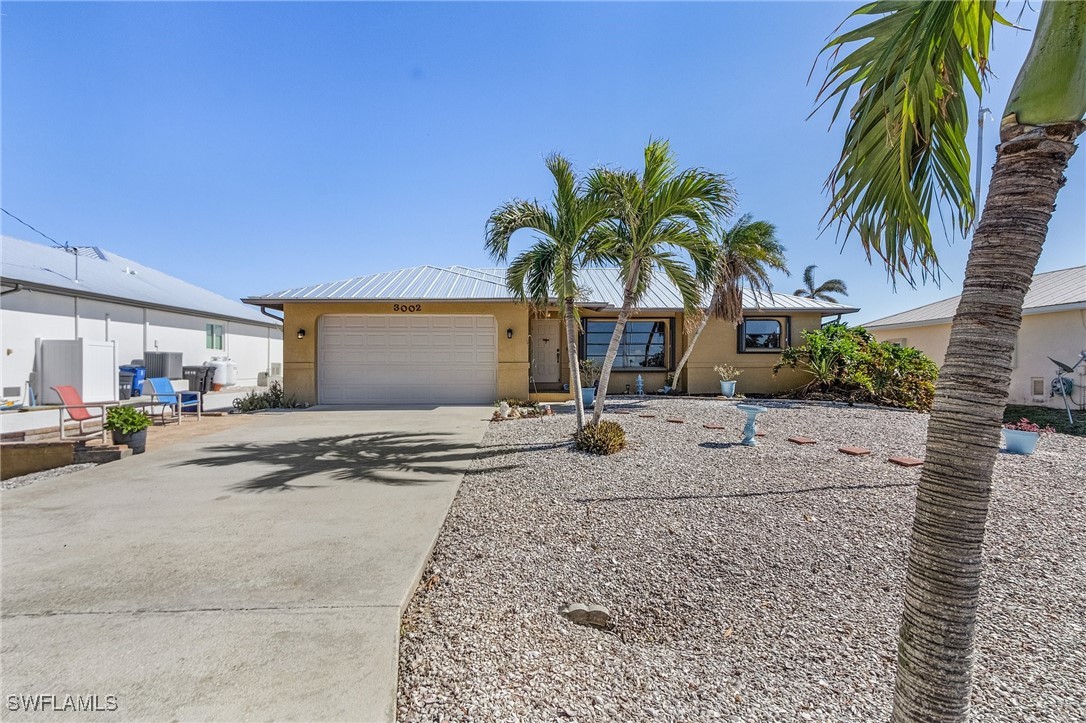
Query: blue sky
x,y
249,147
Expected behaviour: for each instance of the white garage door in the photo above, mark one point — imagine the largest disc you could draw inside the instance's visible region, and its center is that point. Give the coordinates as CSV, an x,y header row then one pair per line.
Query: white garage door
x,y
407,359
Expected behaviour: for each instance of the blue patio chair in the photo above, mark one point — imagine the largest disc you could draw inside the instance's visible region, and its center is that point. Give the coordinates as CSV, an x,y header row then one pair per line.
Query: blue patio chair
x,y
162,392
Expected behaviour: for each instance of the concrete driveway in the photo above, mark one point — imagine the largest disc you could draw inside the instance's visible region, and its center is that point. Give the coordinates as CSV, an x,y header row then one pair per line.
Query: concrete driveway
x,y
257,574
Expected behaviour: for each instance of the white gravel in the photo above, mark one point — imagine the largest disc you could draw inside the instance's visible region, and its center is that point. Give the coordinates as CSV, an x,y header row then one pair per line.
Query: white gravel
x,y
33,477
745,583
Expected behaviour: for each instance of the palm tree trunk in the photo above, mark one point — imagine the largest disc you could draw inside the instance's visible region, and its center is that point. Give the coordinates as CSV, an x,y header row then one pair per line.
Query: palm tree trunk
x,y
616,338
574,365
690,347
935,648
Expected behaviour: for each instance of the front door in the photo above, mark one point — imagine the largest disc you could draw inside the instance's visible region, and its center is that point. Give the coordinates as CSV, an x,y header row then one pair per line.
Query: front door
x,y
546,354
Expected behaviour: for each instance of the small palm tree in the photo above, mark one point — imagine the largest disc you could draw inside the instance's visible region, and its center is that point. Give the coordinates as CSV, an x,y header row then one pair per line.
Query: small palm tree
x,y
565,244
742,255
822,291
904,153
662,211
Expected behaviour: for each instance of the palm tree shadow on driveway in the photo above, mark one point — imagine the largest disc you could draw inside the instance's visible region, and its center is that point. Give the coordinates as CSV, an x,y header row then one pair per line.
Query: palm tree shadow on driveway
x,y
390,458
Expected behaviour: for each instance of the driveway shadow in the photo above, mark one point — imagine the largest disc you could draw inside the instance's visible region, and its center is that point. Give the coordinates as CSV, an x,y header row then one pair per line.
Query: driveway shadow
x,y
390,458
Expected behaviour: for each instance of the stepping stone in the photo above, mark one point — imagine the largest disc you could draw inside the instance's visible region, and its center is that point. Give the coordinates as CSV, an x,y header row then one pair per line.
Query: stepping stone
x,y
621,411
854,451
759,434
647,416
675,421
802,440
906,461
715,426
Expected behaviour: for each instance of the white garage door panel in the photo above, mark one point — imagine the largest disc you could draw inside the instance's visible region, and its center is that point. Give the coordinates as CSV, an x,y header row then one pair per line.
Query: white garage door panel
x,y
407,359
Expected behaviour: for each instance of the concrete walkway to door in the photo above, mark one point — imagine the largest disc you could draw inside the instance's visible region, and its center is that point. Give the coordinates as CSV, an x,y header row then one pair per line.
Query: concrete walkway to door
x,y
257,574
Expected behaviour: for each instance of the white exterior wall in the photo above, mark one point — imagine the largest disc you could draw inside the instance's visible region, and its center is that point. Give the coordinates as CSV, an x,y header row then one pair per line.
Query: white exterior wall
x,y
30,315
1059,334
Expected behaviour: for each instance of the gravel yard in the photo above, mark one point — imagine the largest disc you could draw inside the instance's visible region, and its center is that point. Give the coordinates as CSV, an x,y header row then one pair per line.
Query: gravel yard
x,y
744,583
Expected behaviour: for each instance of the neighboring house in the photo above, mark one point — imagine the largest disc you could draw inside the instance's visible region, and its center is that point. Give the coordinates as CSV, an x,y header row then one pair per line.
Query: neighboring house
x,y
1053,325
432,335
90,293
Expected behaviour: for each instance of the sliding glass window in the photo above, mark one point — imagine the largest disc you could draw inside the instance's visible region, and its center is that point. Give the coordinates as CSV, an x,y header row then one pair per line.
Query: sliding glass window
x,y
644,344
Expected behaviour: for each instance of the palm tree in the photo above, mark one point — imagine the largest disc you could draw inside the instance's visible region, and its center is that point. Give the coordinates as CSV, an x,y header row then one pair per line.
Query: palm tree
x,y
822,291
565,244
905,151
741,255
655,214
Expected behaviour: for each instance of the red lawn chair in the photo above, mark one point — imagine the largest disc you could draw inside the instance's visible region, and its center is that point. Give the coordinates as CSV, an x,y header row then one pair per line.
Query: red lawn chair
x,y
77,411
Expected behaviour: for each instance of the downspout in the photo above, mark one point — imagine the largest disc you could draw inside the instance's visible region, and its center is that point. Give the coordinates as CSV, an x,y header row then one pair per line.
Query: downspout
x,y
265,312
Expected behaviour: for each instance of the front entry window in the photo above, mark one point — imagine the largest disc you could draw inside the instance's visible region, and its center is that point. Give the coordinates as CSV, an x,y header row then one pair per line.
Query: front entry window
x,y
644,344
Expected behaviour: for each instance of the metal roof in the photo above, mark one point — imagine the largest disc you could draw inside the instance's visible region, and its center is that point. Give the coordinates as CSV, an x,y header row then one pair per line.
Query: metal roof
x,y
107,276
460,283
1049,291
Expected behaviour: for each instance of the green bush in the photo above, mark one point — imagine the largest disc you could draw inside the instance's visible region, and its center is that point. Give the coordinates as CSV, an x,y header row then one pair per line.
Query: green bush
x,y
604,438
126,420
849,361
274,398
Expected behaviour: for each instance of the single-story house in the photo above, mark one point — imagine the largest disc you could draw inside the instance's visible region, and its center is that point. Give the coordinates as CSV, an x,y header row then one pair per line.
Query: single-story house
x,y
1053,325
456,335
52,293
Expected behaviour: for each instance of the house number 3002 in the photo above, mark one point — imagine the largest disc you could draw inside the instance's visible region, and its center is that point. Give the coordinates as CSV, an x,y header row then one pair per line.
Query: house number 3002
x,y
407,308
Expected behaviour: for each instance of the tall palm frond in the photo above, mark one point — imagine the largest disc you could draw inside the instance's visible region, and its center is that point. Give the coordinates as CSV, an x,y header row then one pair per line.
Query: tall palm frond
x,y
904,149
566,240
656,214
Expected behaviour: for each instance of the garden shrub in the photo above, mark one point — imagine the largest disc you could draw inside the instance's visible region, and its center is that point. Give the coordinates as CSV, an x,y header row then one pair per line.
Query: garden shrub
x,y
607,437
847,361
273,398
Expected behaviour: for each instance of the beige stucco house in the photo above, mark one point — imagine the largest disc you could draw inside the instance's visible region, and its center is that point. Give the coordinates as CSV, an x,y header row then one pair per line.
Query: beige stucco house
x,y
1053,325
430,335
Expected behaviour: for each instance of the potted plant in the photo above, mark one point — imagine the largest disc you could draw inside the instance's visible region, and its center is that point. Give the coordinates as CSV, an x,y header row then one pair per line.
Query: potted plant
x,y
728,375
1021,436
590,377
129,427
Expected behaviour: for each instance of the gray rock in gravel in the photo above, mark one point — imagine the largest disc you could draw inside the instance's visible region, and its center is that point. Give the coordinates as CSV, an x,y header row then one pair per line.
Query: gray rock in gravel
x,y
596,616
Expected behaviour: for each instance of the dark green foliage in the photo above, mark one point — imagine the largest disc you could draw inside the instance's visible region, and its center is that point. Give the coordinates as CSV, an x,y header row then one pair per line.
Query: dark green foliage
x,y
126,420
849,362
274,398
604,437
1048,417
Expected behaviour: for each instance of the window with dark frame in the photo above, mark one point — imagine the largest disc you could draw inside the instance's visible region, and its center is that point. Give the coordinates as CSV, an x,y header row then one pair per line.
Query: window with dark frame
x,y
761,335
214,336
644,345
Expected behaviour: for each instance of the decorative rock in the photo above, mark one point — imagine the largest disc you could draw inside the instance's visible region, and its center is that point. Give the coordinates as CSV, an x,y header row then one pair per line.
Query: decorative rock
x,y
905,461
855,451
503,410
715,426
675,421
798,439
596,616
647,416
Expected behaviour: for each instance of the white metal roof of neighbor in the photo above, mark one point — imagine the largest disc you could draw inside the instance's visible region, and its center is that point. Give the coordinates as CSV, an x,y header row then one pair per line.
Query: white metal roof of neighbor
x,y
460,283
1049,291
107,276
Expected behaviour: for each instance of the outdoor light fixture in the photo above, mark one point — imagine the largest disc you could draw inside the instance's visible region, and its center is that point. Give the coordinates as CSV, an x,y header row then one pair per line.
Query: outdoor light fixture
x,y
508,333
301,333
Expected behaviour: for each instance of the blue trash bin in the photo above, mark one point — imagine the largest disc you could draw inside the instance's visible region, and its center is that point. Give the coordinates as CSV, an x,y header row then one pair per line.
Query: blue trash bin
x,y
138,375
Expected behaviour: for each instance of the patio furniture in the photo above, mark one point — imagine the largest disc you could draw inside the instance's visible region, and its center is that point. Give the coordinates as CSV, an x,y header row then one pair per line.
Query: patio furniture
x,y
181,403
79,412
